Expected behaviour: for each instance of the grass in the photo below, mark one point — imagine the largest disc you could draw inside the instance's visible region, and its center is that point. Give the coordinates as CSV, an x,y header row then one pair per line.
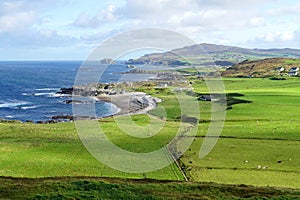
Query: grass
x,y
49,150
291,62
104,188
235,161
263,133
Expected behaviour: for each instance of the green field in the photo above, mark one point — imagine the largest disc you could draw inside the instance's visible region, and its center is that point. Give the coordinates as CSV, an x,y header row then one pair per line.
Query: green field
x,y
114,188
259,144
264,133
31,150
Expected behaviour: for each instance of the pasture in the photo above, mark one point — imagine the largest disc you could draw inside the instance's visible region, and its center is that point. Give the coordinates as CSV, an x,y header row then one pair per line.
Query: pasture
x,y
259,144
263,134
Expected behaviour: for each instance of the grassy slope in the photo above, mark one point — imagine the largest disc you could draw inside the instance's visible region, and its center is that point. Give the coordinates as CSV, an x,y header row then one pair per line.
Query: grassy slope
x,y
103,188
263,133
261,68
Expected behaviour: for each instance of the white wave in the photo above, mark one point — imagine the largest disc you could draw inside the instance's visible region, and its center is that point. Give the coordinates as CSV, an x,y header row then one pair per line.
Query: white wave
x,y
28,107
42,93
13,104
9,116
53,94
94,99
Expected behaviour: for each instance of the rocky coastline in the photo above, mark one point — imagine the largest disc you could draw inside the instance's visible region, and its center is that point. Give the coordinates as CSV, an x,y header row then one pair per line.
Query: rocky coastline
x,y
127,102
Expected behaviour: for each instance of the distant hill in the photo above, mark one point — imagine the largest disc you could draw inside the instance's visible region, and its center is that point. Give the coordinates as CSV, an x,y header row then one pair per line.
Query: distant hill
x,y
262,68
207,54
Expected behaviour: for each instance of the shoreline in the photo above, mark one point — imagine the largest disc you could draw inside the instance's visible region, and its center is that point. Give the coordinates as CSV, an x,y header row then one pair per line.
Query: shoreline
x,y
130,103
127,104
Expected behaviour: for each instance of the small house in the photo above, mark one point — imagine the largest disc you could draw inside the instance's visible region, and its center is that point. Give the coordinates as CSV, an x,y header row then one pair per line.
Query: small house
x,y
294,71
279,69
162,85
212,97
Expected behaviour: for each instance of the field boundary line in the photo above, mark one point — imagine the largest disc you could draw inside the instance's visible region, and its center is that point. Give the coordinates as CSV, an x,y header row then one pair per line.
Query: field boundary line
x,y
177,164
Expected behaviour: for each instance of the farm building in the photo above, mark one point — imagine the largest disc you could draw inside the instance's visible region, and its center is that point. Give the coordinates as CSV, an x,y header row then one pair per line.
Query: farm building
x,y
211,97
279,69
294,71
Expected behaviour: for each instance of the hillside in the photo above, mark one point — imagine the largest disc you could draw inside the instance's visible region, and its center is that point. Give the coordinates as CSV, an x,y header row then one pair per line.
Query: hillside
x,y
262,68
206,54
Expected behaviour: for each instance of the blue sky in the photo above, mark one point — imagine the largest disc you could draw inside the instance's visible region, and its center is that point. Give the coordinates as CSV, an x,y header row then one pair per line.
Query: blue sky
x,y
71,29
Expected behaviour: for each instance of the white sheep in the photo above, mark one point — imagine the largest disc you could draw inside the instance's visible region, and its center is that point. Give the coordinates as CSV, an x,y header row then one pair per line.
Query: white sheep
x,y
258,167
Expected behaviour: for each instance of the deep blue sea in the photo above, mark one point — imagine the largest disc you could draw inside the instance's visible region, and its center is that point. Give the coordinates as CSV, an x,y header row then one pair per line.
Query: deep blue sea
x,y
28,89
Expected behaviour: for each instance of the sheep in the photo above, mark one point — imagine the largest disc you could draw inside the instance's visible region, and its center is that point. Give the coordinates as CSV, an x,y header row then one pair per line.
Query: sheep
x,y
258,167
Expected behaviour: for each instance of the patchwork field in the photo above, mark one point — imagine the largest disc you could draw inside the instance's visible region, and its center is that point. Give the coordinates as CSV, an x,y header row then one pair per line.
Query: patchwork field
x,y
259,144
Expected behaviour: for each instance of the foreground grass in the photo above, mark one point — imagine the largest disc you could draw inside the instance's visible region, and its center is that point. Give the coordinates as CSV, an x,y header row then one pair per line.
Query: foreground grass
x,y
49,150
105,188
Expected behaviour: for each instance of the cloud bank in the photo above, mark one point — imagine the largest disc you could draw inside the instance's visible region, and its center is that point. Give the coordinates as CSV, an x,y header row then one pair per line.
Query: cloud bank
x,y
80,25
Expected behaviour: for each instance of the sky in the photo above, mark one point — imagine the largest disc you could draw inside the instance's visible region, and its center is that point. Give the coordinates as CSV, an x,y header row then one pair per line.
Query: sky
x,y
71,29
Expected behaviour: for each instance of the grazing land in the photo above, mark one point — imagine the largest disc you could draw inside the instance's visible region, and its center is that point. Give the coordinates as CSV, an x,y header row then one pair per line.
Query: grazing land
x,y
49,150
260,141
114,188
259,146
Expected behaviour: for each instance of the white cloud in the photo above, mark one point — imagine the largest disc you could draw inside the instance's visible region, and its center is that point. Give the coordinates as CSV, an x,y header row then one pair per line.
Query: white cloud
x,y
106,15
36,39
285,10
17,21
277,39
16,15
48,23
257,21
197,19
277,36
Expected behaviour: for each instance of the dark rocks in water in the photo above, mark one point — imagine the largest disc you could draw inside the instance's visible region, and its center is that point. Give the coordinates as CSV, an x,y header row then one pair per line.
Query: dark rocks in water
x,y
71,118
84,117
76,91
66,91
68,117
73,102
9,121
51,122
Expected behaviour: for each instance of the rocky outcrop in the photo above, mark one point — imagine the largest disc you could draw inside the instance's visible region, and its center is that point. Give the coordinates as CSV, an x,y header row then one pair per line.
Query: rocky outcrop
x,y
66,91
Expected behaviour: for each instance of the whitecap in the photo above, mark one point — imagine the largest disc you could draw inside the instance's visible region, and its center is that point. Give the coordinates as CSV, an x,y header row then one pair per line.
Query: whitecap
x,y
41,94
13,104
53,94
28,107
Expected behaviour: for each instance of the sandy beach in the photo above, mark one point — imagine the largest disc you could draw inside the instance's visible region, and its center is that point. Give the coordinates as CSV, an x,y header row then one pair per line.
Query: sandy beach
x,y
131,103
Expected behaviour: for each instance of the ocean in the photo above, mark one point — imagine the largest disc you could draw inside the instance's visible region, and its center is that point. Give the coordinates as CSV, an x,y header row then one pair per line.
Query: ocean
x,y
28,89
